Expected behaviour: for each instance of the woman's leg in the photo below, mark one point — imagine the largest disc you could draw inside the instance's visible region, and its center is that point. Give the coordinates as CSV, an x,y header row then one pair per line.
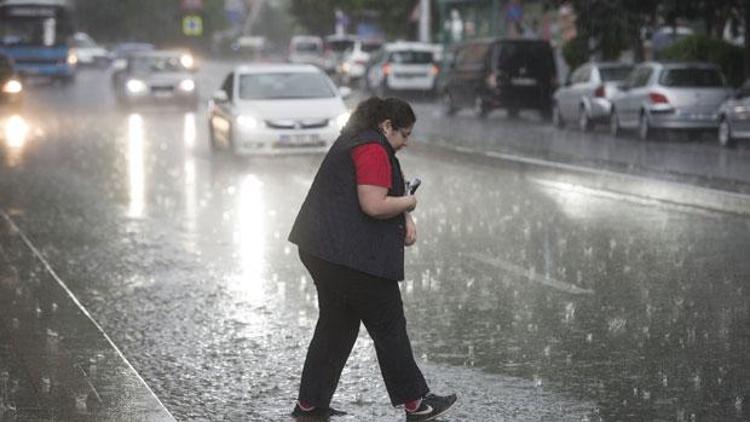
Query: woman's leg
x,y
335,334
383,316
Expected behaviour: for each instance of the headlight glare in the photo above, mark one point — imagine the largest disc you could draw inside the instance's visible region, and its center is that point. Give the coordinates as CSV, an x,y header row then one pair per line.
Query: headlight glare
x,y
187,85
12,87
135,86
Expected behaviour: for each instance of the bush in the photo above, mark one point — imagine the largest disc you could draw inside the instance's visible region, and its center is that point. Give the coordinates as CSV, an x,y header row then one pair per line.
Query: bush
x,y
575,52
707,49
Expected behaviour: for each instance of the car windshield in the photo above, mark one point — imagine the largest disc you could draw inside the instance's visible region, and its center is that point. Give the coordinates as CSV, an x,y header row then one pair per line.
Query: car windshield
x,y
411,57
370,47
340,46
691,78
307,47
610,74
279,86
157,64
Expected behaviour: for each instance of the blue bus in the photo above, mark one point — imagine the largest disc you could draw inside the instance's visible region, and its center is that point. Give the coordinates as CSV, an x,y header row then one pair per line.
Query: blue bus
x,y
37,35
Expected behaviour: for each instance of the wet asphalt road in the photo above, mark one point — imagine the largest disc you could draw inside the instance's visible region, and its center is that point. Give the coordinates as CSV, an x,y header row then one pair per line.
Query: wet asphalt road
x,y
533,300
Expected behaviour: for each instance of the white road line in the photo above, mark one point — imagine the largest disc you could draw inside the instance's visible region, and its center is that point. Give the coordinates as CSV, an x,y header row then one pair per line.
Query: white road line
x,y
528,274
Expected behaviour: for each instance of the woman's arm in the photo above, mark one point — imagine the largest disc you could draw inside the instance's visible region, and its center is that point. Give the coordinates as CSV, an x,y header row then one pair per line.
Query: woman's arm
x,y
375,202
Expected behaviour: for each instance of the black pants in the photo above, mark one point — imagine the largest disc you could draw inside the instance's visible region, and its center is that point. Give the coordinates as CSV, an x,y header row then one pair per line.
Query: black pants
x,y
346,297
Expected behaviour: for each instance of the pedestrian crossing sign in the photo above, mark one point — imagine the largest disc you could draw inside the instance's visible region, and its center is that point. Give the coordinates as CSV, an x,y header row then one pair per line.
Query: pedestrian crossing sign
x,y
192,25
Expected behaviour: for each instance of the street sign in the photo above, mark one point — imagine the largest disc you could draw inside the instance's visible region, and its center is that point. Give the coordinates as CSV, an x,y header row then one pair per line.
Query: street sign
x,y
192,25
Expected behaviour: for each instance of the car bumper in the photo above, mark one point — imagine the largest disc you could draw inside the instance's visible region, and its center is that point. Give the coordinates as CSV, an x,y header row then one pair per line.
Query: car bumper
x,y
411,84
683,120
275,141
600,109
176,97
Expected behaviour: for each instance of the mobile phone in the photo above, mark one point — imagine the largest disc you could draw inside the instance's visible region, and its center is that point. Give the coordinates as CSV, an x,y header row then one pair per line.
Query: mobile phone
x,y
413,185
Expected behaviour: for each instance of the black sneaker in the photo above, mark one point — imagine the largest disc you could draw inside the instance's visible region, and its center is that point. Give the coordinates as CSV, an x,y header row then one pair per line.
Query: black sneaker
x,y
316,413
432,406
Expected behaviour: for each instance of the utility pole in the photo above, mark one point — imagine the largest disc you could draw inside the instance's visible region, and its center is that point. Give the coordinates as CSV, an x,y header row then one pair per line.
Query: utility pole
x,y
424,20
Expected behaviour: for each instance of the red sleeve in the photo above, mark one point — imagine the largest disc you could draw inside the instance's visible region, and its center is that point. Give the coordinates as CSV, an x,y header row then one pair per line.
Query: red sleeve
x,y
372,165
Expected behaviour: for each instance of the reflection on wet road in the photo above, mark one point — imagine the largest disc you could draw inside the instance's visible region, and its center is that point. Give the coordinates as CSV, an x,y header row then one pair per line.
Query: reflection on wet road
x,y
533,301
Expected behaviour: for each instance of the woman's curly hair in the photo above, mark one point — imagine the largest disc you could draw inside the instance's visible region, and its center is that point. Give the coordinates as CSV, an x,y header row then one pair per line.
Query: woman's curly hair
x,y
370,113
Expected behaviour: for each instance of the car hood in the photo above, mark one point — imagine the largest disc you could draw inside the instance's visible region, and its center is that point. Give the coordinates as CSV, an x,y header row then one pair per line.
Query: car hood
x,y
296,109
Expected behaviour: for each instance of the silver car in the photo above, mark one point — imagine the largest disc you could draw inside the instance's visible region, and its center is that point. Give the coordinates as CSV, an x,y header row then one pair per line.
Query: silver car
x,y
586,96
669,96
155,77
276,108
734,116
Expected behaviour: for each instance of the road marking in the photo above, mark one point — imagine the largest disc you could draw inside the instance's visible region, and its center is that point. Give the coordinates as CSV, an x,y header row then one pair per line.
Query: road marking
x,y
528,274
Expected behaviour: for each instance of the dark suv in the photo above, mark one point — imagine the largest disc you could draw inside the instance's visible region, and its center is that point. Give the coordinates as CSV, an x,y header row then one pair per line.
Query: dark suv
x,y
513,74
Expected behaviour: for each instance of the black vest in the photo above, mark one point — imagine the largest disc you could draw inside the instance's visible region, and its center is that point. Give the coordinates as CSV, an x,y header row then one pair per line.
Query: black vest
x,y
331,224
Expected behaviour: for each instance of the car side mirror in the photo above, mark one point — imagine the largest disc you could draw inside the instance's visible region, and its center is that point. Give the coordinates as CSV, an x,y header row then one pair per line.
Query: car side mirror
x,y
220,96
345,92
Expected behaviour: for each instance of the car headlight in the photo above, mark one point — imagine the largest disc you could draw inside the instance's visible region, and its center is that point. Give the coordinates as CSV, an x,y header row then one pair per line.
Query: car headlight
x,y
12,87
134,86
342,119
187,85
72,58
741,109
247,122
187,61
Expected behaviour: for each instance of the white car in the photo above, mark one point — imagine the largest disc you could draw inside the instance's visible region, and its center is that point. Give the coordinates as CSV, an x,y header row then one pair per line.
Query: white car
x,y
88,52
276,108
403,66
354,65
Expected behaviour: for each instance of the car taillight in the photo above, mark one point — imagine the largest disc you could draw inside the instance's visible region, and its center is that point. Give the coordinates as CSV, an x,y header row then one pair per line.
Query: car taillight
x,y
434,70
386,69
657,98
599,92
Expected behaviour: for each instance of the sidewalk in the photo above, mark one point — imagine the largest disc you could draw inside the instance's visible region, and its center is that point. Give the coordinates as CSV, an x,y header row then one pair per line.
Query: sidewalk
x,y
55,362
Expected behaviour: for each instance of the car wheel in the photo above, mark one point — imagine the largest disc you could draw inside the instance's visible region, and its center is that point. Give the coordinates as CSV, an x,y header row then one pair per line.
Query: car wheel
x,y
480,108
614,124
557,118
644,128
725,133
449,107
584,121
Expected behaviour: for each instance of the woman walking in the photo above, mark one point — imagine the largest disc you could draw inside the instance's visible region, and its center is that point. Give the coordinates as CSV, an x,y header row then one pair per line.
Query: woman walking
x,y
351,231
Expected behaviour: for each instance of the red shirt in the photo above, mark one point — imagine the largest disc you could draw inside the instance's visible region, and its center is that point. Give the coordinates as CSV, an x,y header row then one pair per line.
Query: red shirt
x,y
372,165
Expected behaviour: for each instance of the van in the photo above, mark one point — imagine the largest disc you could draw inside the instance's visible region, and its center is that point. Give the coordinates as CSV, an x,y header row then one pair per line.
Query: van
x,y
487,74
306,49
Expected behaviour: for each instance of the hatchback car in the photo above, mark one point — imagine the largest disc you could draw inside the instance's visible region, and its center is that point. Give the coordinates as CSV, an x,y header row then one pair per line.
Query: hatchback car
x,y
586,96
276,108
353,66
669,96
156,77
11,88
403,66
734,116
494,73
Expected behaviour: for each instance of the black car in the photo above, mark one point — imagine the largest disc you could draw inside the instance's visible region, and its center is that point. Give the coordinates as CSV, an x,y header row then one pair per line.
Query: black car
x,y
11,89
486,74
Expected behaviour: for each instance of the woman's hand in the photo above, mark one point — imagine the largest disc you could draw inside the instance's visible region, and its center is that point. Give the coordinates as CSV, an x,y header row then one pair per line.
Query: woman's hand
x,y
411,231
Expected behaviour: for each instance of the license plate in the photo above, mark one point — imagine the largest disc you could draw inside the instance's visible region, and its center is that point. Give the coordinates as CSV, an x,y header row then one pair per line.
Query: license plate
x,y
162,94
523,81
298,139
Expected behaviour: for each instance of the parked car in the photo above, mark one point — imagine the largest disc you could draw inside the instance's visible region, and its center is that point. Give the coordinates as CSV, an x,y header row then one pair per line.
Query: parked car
x,y
403,66
11,87
336,48
90,53
669,96
586,96
276,108
160,76
513,74
734,116
308,49
353,67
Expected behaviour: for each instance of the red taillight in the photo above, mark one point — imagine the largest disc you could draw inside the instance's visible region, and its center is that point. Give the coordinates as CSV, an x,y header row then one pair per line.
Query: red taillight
x,y
386,69
599,92
434,70
657,98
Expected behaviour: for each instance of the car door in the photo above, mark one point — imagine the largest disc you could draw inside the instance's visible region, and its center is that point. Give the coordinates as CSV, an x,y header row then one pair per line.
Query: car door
x,y
564,94
577,91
